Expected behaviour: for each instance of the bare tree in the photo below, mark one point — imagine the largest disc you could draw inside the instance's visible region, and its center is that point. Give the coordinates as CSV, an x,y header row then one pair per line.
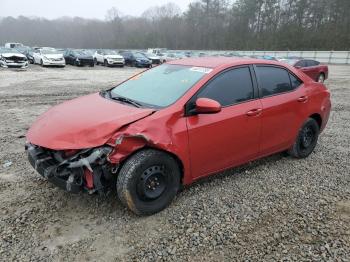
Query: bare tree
x,y
206,24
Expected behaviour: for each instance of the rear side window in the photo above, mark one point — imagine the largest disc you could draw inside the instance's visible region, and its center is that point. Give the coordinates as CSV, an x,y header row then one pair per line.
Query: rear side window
x,y
231,87
296,82
312,63
273,80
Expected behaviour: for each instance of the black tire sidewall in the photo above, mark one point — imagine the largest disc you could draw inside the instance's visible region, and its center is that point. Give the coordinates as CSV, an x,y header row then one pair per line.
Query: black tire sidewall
x,y
129,176
306,152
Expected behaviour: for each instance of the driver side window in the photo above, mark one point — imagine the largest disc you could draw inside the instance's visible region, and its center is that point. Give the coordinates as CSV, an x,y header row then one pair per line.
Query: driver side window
x,y
230,87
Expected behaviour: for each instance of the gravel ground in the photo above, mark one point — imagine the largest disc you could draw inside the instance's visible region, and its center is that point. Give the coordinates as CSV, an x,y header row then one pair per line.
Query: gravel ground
x,y
277,208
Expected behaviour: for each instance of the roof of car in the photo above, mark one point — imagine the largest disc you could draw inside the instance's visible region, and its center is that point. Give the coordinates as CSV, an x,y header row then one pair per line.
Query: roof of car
x,y
213,62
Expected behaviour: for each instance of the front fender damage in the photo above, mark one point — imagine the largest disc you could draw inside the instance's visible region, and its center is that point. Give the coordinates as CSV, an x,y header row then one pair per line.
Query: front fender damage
x,y
126,145
165,133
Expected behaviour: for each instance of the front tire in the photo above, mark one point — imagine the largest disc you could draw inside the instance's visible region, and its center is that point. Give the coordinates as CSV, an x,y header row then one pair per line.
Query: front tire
x,y
41,63
105,63
148,182
306,140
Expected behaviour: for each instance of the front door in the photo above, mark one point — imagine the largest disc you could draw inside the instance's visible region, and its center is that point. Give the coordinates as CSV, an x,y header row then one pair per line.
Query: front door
x,y
232,136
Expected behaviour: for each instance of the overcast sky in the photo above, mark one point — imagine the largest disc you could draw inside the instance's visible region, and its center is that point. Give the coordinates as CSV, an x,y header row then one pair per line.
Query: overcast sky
x,y
82,8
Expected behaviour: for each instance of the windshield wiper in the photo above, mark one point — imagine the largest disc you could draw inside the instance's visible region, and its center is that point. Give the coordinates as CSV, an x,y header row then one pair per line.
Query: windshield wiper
x,y
126,100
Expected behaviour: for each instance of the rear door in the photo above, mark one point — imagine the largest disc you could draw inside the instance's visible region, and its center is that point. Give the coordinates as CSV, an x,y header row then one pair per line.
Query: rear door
x,y
232,136
284,103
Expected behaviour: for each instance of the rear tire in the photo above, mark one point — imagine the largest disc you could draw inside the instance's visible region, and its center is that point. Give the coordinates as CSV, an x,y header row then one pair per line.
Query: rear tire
x,y
306,140
148,182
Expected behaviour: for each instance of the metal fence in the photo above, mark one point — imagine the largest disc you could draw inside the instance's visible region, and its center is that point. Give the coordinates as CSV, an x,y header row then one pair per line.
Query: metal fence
x,y
330,57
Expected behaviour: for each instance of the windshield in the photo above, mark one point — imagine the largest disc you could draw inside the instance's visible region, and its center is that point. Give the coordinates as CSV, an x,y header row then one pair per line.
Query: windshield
x,y
160,86
110,52
7,50
79,52
139,55
49,51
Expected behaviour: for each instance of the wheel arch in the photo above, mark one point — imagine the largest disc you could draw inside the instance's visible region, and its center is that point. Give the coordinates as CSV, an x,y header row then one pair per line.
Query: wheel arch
x,y
318,118
171,154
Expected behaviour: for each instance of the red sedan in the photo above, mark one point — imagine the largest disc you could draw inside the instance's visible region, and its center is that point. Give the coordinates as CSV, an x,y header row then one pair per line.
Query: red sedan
x,y
314,69
176,123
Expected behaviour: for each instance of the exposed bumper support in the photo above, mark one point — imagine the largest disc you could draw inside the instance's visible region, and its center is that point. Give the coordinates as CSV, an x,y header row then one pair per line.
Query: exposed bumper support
x,y
68,174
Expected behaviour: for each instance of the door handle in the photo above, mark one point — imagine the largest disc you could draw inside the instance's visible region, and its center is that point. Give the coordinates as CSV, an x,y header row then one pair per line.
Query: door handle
x,y
254,112
303,99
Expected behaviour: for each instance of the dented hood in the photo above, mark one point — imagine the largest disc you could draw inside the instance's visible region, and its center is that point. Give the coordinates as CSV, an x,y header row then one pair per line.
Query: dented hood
x,y
84,122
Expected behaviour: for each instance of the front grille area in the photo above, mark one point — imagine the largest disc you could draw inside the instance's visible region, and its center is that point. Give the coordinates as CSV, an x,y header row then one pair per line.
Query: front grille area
x,y
15,59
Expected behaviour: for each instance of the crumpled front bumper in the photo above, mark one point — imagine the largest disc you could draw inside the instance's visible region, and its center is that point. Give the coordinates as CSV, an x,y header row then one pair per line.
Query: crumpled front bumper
x,y
14,64
47,166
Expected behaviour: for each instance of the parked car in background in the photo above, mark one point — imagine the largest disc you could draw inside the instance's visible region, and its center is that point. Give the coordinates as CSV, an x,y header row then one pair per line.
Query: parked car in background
x,y
11,58
149,135
48,57
136,59
30,56
266,57
314,69
78,58
154,58
109,58
13,45
156,51
232,54
168,56
27,51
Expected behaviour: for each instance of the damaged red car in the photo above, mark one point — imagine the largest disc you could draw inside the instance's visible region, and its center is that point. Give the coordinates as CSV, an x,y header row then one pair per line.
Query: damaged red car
x,y
173,124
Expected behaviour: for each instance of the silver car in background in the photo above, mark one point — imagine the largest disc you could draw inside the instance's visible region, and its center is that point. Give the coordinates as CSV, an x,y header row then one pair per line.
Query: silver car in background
x,y
11,58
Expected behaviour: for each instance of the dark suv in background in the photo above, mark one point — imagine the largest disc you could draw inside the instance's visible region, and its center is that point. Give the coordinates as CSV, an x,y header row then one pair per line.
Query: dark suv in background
x,y
136,59
78,58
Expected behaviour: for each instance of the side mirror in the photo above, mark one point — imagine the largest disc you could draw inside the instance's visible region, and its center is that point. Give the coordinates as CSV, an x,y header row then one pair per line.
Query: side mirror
x,y
207,106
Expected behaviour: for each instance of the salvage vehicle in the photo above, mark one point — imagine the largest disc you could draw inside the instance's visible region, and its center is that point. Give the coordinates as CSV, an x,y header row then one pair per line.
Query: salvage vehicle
x,y
78,58
109,58
176,123
11,58
136,59
314,69
48,57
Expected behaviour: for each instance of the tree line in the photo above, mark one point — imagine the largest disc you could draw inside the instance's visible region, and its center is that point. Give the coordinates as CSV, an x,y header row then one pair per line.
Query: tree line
x,y
206,24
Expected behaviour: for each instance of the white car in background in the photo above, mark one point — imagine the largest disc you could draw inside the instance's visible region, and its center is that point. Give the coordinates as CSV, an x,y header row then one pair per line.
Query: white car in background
x,y
48,57
169,56
108,58
11,58
13,45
